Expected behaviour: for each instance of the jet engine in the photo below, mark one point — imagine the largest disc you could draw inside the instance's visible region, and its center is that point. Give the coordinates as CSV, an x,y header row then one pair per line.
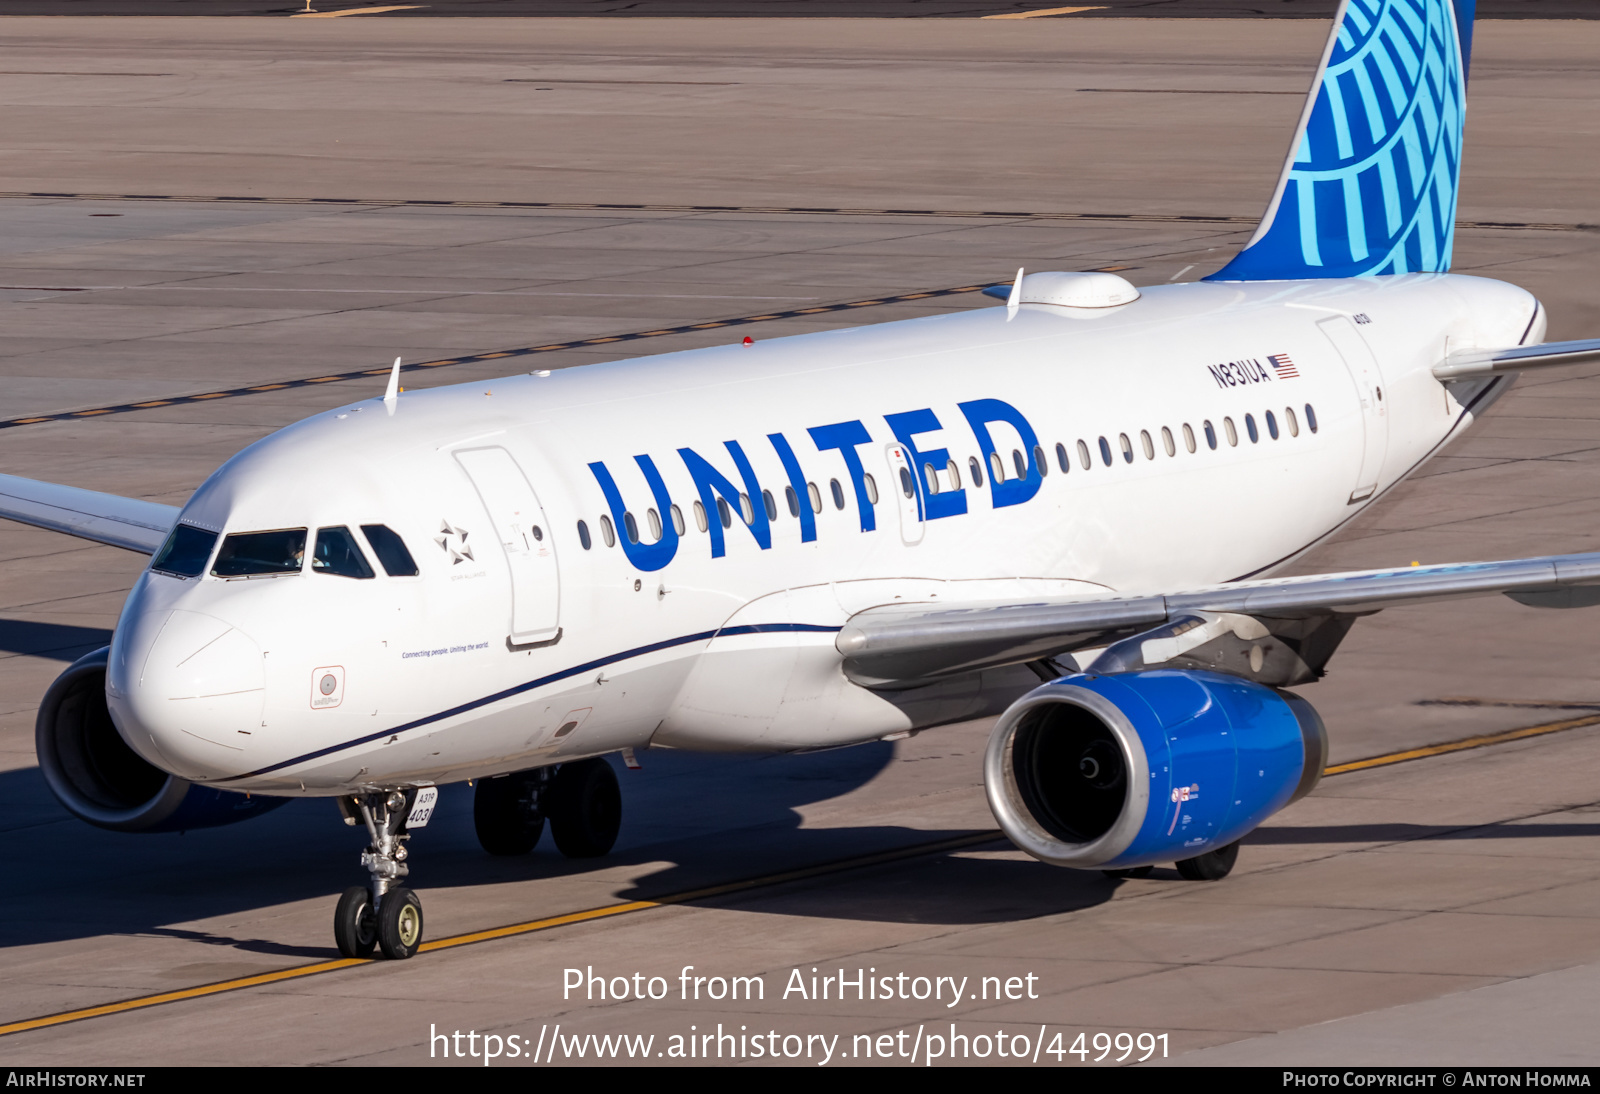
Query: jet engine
x,y
1136,768
92,771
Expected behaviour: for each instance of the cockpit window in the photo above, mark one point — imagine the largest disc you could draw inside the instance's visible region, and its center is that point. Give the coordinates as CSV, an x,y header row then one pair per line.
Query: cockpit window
x,y
185,552
390,549
336,553
256,554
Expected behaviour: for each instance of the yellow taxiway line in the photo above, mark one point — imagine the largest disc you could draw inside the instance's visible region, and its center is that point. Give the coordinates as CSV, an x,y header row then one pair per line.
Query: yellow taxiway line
x,y
353,11
1042,11
608,911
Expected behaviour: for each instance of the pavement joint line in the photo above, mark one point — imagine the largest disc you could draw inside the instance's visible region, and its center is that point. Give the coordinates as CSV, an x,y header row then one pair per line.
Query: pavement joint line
x,y
801,210
471,358
803,873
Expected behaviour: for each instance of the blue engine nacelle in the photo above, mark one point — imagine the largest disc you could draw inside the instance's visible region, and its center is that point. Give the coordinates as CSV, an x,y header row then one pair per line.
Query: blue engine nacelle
x,y
92,771
1145,767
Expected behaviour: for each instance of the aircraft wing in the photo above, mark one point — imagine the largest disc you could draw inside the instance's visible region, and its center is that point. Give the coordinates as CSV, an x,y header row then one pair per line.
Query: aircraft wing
x,y
128,523
897,644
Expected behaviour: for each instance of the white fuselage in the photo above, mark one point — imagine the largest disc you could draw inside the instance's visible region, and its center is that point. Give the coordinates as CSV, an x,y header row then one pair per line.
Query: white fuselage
x,y
510,650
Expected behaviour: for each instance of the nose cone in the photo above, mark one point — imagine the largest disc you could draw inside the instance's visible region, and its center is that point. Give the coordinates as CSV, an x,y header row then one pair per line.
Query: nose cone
x,y
185,690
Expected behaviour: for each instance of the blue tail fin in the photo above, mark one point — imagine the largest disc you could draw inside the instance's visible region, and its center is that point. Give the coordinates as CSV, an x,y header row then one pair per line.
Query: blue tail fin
x,y
1370,183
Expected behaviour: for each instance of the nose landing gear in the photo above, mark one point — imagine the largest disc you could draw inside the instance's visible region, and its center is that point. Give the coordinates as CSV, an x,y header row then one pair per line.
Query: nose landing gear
x,y
381,915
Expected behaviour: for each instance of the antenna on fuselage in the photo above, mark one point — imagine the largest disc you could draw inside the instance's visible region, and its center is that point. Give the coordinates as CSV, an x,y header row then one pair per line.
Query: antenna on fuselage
x,y
1015,298
393,394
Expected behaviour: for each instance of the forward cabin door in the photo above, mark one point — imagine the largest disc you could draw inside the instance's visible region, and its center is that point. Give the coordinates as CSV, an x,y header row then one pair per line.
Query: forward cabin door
x,y
1368,381
524,534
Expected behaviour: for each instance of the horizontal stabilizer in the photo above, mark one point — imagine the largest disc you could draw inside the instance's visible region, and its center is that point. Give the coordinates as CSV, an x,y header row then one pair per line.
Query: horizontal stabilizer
x,y
128,523
1472,363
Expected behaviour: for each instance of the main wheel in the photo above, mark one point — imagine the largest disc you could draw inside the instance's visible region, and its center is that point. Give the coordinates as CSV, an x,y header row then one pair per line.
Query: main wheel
x,y
585,808
1211,866
505,813
355,928
1132,871
399,923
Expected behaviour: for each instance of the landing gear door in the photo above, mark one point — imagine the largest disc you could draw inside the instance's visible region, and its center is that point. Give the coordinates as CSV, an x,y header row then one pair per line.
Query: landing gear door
x,y
1368,381
525,537
904,488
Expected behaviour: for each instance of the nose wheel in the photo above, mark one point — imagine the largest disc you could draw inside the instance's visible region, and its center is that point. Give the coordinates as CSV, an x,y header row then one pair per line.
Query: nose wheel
x,y
381,915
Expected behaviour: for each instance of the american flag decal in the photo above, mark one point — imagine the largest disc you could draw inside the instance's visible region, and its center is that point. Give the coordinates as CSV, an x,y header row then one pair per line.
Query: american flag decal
x,y
1283,366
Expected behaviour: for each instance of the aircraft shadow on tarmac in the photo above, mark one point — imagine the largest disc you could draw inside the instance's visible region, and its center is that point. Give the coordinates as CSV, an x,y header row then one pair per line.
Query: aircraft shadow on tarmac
x,y
692,820
55,641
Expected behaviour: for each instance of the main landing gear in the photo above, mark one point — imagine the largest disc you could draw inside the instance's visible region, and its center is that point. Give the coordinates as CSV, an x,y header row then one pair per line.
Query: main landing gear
x,y
381,915
581,800
1210,866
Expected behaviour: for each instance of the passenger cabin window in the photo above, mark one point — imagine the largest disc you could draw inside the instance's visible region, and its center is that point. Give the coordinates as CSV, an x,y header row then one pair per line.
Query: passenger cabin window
x,y
872,485
977,470
1188,437
1127,447
1105,451
607,532
583,537
632,526
1272,425
653,518
1250,428
1040,462
770,505
815,495
1311,418
185,552
1211,434
724,514
997,470
1292,421
1020,463
1061,459
1084,460
838,493
1145,443
1233,434
261,554
336,553
677,520
793,500
700,521
396,560
1167,441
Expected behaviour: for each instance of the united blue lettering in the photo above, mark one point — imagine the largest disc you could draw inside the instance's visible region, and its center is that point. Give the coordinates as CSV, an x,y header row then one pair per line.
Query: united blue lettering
x,y
847,437
718,492
710,482
906,427
644,556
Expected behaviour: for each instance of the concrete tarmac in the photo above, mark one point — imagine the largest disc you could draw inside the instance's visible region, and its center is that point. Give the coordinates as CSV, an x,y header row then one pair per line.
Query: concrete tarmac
x,y
1440,899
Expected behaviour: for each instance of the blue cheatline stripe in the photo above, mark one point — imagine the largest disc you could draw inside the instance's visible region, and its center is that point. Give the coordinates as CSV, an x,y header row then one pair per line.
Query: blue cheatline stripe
x,y
531,685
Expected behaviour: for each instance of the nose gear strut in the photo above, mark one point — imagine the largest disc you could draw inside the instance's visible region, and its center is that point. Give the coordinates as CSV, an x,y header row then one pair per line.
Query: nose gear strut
x,y
383,914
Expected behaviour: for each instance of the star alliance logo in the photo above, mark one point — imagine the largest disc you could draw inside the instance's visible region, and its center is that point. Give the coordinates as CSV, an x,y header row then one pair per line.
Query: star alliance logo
x,y
453,542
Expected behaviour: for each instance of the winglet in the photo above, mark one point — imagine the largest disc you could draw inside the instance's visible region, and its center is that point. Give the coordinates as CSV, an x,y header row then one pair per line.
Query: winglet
x,y
393,393
1016,296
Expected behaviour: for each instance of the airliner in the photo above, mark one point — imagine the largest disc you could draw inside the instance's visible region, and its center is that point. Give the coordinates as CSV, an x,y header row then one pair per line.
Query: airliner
x,y
1066,510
